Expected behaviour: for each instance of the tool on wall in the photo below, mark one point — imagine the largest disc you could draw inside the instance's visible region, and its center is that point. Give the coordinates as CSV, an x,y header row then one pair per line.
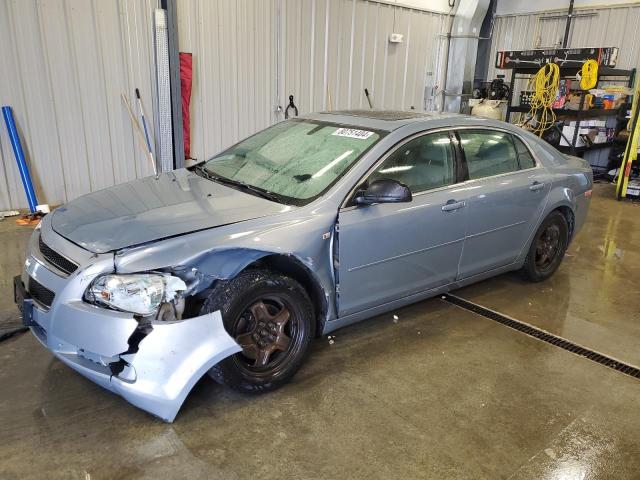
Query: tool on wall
x,y
292,106
139,134
144,122
366,94
509,59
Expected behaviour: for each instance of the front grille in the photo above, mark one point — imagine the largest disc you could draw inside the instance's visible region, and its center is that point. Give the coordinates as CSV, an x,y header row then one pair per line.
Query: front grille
x,y
55,259
40,293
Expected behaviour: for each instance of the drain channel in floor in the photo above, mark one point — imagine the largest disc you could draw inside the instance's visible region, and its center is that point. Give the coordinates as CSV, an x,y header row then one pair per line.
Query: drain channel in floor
x,y
544,336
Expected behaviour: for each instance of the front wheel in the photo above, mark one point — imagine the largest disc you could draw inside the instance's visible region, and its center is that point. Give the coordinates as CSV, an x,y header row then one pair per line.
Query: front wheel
x,y
271,317
547,249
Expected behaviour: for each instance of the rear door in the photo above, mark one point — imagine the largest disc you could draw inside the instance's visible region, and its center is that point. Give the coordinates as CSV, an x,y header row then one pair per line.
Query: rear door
x,y
509,192
392,250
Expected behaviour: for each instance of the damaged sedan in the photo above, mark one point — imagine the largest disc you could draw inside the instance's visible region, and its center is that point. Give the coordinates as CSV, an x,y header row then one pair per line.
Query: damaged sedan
x,y
232,267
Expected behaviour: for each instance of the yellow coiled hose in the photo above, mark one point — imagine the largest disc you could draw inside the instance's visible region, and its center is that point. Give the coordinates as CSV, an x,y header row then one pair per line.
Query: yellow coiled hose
x,y
589,75
545,85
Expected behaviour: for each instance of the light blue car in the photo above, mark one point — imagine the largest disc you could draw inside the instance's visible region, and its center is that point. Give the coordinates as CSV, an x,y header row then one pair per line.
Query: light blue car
x,y
233,266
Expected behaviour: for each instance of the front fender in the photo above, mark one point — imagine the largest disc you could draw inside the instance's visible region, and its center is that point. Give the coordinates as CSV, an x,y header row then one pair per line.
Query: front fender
x,y
201,258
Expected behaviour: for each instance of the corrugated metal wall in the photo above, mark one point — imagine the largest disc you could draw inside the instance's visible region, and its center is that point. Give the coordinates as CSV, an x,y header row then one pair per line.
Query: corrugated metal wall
x,y
616,26
250,55
233,47
63,65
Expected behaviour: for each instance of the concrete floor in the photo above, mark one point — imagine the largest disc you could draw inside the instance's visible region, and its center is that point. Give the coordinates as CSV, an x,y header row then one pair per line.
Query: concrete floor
x,y
442,393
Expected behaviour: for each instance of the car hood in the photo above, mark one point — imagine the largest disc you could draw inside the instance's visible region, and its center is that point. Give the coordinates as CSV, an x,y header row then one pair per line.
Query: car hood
x,y
151,209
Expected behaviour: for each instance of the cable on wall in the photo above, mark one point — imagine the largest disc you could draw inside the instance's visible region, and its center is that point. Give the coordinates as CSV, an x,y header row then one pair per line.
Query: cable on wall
x,y
589,75
545,85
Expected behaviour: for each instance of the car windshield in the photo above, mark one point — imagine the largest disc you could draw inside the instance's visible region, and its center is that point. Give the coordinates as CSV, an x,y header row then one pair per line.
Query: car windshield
x,y
293,161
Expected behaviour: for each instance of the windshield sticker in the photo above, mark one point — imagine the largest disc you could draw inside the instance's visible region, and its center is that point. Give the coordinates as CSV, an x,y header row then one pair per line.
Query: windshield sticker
x,y
352,133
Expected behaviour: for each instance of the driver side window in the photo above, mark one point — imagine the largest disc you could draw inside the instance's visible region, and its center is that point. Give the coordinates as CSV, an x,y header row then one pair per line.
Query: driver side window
x,y
424,163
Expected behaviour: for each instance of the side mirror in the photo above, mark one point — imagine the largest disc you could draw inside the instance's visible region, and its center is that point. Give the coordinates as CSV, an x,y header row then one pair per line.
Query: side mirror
x,y
384,191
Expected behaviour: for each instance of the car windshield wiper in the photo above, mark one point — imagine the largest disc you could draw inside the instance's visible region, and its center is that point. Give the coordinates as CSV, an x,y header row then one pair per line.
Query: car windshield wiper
x,y
261,192
257,190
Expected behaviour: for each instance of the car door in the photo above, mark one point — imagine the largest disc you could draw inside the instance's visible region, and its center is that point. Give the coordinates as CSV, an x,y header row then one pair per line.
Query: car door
x,y
509,194
391,250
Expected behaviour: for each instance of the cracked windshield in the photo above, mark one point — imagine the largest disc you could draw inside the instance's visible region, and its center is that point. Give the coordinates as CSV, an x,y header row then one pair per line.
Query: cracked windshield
x,y
296,160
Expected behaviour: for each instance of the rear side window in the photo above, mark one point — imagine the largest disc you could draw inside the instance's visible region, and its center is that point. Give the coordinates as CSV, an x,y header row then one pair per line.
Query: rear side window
x,y
488,153
524,155
423,163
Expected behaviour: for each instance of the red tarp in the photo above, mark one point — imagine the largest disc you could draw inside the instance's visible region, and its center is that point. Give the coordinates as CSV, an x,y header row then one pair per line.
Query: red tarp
x,y
186,71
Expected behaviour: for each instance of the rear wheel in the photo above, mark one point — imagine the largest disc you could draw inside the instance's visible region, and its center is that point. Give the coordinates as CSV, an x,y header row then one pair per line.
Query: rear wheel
x,y
271,317
547,249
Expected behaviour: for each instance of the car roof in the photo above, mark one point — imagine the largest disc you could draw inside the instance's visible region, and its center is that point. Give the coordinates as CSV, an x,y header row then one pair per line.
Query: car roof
x,y
378,119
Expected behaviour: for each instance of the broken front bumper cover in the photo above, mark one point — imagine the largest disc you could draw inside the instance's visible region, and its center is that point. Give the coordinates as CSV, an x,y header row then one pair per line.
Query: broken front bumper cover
x,y
169,361
169,358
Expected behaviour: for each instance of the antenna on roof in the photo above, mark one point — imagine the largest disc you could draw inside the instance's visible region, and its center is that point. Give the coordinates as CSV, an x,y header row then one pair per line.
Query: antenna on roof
x,y
366,93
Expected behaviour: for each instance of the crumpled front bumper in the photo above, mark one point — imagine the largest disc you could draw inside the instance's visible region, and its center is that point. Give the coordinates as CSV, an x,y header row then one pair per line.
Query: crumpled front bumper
x,y
169,359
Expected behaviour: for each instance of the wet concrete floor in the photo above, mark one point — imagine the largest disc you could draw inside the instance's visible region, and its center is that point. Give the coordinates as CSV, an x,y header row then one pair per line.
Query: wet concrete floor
x,y
441,393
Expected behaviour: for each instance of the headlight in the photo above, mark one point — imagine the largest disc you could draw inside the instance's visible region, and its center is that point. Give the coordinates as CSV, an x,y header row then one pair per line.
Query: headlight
x,y
138,293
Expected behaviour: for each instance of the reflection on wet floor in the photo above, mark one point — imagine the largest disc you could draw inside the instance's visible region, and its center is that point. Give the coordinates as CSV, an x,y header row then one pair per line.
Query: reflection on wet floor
x,y
435,393
589,299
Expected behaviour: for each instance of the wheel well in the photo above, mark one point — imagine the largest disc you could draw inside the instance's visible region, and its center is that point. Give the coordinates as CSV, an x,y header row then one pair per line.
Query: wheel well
x,y
569,217
291,267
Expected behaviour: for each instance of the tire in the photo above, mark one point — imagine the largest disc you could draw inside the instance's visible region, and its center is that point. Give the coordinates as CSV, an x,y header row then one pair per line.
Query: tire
x,y
547,248
261,310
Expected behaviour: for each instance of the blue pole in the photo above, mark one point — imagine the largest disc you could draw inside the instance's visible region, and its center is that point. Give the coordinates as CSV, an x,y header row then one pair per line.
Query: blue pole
x,y
19,153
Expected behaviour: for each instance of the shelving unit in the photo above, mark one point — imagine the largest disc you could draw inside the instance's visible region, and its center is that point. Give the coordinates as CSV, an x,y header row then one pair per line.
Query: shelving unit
x,y
605,74
592,113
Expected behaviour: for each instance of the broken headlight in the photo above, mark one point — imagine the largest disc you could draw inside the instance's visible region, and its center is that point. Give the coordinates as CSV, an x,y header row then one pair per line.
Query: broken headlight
x,y
136,293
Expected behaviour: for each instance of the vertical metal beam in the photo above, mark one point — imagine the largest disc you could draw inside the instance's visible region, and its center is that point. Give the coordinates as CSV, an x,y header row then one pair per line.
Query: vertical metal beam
x,y
463,35
174,75
568,25
483,58
164,130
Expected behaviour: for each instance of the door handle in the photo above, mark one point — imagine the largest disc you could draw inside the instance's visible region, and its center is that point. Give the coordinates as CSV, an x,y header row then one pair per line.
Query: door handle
x,y
452,205
535,186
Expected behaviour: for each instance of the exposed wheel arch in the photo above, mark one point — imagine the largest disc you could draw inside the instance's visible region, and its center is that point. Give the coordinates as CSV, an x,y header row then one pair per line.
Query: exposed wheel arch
x,y
567,213
222,266
548,247
292,267
569,216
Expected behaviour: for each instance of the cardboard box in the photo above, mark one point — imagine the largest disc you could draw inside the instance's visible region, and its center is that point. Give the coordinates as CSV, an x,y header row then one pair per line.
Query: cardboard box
x,y
573,102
